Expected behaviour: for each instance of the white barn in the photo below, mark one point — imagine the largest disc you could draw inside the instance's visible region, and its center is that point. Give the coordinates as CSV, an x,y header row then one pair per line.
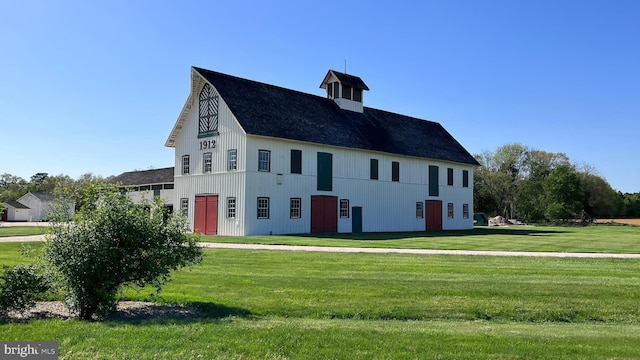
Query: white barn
x,y
253,158
143,185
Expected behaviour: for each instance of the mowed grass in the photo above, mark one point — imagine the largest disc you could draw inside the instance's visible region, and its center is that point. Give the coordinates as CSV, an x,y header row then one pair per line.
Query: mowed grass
x,y
290,305
6,231
596,239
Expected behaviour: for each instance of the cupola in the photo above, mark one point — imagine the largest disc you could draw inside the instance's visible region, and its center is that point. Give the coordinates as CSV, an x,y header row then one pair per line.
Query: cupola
x,y
345,90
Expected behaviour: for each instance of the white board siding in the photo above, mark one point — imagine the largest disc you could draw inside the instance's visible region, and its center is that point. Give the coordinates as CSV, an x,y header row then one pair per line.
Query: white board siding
x,y
220,181
387,205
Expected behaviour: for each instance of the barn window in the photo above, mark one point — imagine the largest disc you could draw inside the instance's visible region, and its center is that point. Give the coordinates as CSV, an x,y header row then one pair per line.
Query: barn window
x,y
185,164
419,210
450,210
465,211
264,160
295,208
357,95
232,156
184,206
346,92
208,119
450,176
344,208
231,208
263,208
206,160
465,178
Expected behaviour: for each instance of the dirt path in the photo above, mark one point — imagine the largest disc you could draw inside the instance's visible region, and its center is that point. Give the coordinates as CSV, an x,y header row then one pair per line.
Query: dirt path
x,y
213,245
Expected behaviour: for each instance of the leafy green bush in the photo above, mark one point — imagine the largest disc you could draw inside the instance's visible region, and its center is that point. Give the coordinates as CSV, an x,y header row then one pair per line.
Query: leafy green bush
x,y
116,243
20,287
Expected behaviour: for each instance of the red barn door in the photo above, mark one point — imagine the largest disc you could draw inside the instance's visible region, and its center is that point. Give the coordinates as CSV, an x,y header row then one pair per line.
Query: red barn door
x,y
206,214
433,216
324,214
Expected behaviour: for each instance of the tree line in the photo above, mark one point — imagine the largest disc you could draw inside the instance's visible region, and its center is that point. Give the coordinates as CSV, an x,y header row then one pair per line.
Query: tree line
x,y
519,182
13,187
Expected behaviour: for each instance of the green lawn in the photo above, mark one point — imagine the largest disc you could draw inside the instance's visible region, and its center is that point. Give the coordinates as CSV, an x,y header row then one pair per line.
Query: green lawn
x,y
597,238
6,231
300,305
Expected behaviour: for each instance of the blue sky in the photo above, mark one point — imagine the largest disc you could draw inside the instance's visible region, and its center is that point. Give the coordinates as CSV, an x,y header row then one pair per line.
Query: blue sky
x,y
89,86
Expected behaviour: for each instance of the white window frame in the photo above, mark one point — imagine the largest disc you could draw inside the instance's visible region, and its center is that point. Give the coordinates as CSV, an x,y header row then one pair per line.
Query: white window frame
x,y
263,208
184,207
465,211
295,208
231,207
419,210
185,164
450,212
207,162
344,208
232,163
264,160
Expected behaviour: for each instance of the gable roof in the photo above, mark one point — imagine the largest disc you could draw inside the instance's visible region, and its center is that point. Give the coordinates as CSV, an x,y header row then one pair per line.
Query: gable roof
x,y
268,110
145,177
44,196
17,205
345,79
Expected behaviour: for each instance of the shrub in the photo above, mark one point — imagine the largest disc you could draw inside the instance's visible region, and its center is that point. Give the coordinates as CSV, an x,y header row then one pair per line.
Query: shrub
x,y
20,287
116,243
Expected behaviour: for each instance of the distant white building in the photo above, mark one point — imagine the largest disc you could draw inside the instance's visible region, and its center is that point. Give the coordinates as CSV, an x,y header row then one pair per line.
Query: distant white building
x,y
33,207
253,158
143,185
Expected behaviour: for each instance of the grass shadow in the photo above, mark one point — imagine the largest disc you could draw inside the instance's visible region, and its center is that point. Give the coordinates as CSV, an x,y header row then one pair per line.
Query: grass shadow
x,y
190,312
478,231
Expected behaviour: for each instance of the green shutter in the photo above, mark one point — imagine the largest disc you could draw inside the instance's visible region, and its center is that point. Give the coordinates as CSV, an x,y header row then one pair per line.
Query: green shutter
x,y
465,178
325,171
434,186
296,162
373,169
395,171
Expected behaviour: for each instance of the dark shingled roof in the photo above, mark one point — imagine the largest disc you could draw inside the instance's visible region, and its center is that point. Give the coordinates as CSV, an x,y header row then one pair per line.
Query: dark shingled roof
x,y
17,205
268,110
145,177
349,80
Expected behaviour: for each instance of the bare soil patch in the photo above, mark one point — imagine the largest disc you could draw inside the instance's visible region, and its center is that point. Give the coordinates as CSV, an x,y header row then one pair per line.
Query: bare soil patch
x,y
619,221
126,310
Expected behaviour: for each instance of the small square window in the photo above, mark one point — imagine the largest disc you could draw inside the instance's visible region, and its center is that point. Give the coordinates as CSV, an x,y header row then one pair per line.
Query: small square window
x,y
419,210
263,208
295,208
206,160
344,208
264,160
450,210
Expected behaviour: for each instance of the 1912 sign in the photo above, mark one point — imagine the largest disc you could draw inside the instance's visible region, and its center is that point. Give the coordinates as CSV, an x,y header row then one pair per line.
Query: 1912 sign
x,y
207,144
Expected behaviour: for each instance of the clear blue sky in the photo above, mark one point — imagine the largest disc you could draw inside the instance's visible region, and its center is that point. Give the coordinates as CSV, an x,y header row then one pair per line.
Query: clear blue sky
x,y
89,86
